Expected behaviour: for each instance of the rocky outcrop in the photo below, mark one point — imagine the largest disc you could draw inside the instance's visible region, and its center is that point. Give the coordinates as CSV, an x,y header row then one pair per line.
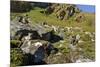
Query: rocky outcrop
x,y
45,44
62,11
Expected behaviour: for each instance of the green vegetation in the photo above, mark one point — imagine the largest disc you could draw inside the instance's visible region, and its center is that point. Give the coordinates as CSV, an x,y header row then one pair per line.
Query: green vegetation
x,y
17,57
86,24
15,43
88,49
17,6
36,16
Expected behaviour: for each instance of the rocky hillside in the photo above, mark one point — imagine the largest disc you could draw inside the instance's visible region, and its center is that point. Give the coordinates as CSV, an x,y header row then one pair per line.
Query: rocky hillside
x,y
44,44
58,33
